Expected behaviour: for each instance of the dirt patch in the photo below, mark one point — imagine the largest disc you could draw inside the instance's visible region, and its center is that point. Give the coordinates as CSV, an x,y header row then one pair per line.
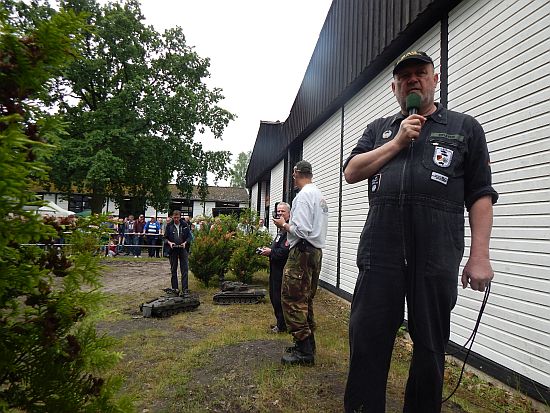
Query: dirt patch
x,y
125,276
122,328
238,359
229,377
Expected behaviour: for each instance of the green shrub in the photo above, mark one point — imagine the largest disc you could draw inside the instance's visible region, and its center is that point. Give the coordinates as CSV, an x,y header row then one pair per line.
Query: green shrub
x,y
245,261
225,243
206,258
52,359
224,230
212,249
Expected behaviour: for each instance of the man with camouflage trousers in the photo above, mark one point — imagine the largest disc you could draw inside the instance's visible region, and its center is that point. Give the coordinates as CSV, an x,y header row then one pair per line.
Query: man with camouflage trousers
x,y
307,230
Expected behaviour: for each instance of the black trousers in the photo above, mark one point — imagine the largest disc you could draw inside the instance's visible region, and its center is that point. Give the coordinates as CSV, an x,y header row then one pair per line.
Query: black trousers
x,y
152,241
398,263
275,283
179,254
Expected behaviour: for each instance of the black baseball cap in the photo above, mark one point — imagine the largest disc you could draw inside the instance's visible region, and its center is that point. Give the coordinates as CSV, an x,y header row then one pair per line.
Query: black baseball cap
x,y
412,55
303,167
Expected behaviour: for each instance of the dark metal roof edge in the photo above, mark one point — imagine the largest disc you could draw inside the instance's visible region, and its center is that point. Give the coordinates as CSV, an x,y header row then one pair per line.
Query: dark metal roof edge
x,y
269,166
422,24
261,136
424,21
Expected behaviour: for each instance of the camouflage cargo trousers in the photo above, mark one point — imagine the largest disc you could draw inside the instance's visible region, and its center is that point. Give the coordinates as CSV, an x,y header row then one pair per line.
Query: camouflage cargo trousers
x,y
300,280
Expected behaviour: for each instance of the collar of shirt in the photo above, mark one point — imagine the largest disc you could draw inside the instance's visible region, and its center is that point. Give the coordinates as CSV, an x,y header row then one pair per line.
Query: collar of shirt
x,y
439,116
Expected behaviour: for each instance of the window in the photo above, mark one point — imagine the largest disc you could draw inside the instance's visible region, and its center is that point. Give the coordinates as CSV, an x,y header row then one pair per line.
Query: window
x,y
79,203
183,205
221,204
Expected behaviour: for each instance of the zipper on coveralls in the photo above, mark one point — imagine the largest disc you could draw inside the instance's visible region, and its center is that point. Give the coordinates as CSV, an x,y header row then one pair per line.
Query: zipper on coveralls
x,y
401,200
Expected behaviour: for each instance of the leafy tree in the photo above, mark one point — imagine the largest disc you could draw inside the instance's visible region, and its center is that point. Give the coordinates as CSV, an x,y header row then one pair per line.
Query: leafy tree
x,y
52,358
238,171
134,103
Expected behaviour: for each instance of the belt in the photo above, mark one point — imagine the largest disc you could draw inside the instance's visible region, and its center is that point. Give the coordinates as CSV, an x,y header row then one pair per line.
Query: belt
x,y
304,245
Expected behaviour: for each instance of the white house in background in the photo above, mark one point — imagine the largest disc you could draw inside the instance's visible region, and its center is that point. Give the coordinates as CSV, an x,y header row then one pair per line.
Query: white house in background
x,y
219,200
493,57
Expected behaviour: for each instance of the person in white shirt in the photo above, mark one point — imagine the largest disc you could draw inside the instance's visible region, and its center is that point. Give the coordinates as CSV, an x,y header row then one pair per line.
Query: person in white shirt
x,y
307,230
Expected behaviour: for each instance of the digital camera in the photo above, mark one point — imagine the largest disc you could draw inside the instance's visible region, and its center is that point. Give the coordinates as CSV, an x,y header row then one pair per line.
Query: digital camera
x,y
274,214
259,251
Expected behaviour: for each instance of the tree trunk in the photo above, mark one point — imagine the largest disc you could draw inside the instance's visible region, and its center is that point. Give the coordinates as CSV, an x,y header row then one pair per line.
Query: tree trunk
x,y
97,201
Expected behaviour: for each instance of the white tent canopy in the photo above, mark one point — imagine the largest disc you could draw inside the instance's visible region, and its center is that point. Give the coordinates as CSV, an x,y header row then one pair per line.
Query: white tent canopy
x,y
52,209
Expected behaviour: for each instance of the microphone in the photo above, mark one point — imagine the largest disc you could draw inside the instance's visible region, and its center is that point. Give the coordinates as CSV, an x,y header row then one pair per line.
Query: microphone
x,y
413,103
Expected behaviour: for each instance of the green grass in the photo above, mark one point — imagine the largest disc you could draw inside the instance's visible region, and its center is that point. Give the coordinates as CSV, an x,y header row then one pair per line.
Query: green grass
x,y
223,358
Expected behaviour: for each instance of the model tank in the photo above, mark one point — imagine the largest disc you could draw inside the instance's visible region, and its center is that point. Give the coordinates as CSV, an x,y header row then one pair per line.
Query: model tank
x,y
234,292
170,304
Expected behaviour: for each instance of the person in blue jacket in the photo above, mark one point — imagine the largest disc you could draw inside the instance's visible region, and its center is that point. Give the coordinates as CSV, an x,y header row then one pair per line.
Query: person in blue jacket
x,y
152,233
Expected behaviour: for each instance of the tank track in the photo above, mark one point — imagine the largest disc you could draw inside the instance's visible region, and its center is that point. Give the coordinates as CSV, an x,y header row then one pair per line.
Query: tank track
x,y
226,300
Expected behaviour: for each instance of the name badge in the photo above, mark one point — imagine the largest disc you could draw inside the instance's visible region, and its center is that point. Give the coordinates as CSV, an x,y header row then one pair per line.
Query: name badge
x,y
442,179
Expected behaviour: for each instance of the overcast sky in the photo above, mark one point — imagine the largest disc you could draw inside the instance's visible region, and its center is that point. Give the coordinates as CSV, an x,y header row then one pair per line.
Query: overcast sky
x,y
258,49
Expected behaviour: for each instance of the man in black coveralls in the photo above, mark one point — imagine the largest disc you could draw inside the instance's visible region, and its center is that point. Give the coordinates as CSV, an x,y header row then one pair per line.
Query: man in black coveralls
x,y
423,168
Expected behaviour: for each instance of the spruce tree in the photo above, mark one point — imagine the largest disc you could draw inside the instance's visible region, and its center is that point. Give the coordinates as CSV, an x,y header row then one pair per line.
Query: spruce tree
x,y
51,357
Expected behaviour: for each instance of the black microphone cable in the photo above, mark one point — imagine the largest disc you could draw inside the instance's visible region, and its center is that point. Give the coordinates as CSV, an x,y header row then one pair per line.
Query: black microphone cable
x,y
472,338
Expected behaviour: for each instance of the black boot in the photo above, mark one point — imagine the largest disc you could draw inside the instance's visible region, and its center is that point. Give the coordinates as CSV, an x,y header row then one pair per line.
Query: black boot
x,y
302,353
312,341
311,338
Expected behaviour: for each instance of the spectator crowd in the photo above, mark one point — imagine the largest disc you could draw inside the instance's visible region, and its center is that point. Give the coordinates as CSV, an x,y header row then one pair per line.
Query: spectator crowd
x,y
131,237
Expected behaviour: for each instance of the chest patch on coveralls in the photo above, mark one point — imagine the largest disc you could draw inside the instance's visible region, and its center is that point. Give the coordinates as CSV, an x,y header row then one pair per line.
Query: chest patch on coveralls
x,y
442,156
375,182
442,179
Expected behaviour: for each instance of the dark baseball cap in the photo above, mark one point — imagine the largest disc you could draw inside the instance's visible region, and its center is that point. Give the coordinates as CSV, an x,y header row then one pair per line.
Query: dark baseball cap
x,y
303,167
412,55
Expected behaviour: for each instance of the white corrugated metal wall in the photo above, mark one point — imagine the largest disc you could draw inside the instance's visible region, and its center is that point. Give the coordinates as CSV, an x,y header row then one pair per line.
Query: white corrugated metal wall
x,y
262,199
254,198
276,188
322,150
499,73
374,101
